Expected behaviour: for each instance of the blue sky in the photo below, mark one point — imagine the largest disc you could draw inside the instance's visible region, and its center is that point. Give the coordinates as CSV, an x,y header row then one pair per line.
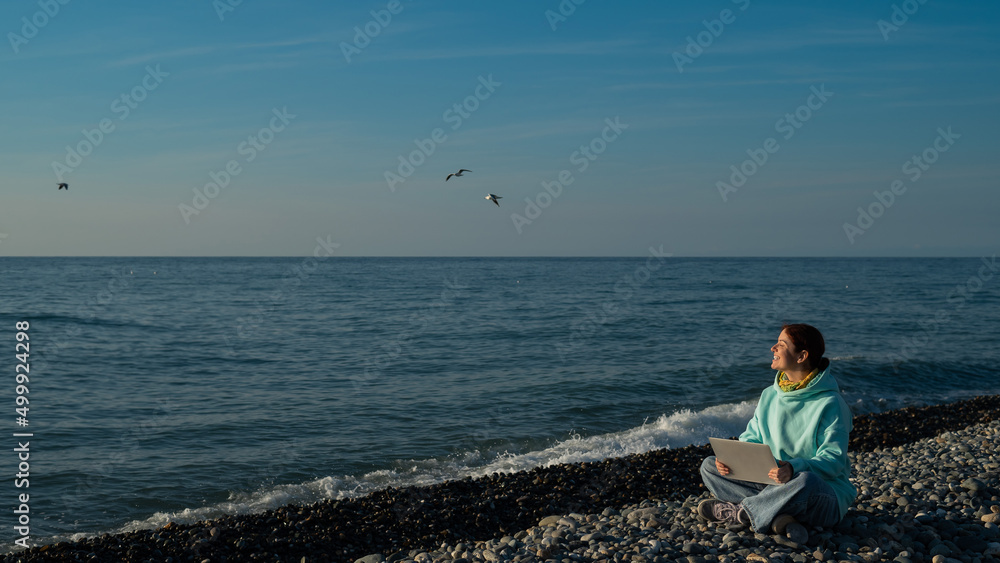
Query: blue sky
x,y
697,89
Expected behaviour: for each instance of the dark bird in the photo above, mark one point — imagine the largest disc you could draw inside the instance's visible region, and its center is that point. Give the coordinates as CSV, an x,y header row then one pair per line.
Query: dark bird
x,y
459,173
494,199
63,185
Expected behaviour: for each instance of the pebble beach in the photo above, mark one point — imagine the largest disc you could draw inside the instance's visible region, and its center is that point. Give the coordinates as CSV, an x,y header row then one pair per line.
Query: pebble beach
x,y
928,491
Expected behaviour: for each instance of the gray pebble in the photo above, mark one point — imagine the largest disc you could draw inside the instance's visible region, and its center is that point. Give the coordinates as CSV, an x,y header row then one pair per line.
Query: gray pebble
x,y
919,502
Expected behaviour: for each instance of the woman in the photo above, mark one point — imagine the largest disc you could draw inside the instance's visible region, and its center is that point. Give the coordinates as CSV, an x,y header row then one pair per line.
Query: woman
x,y
806,423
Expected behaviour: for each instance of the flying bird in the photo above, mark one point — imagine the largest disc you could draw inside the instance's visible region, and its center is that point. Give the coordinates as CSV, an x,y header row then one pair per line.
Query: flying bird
x,y
459,173
494,199
63,185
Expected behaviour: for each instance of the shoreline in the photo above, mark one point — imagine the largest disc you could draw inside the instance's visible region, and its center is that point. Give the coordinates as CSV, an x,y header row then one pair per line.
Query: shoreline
x,y
397,521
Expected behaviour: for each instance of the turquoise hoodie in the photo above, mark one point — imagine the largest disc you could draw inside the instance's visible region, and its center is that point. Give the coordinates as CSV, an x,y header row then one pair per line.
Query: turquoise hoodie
x,y
808,428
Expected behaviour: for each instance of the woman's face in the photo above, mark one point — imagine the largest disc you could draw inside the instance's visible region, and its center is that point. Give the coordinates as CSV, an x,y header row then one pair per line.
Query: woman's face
x,y
785,357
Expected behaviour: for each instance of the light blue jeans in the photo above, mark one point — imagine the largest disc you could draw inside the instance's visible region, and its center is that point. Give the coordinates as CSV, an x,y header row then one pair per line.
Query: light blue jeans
x,y
807,497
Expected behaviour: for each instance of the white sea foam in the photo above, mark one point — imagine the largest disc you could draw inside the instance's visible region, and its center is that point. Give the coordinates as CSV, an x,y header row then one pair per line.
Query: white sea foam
x,y
679,429
674,430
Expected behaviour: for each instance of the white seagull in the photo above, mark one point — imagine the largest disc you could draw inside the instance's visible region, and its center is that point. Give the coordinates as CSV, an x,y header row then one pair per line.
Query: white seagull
x,y
63,185
459,173
494,199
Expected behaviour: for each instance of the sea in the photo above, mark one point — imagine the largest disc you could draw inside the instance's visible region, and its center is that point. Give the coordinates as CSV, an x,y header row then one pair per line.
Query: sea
x,y
156,390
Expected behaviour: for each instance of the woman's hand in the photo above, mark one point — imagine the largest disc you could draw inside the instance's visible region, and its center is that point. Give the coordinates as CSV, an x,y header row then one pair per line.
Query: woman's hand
x,y
721,467
781,474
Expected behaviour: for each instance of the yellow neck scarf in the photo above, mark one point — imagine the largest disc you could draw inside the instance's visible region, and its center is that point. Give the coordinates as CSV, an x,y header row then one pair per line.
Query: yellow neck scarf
x,y
787,385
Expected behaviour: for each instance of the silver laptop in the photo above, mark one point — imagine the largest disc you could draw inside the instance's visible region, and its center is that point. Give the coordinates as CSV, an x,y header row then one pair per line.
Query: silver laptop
x,y
746,461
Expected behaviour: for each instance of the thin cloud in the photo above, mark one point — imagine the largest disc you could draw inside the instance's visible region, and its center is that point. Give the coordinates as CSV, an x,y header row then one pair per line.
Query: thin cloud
x,y
675,85
942,102
206,49
164,55
286,43
808,38
579,48
254,66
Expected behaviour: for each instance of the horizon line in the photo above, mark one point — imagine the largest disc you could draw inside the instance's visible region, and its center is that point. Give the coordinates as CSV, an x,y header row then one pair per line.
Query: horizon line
x,y
500,257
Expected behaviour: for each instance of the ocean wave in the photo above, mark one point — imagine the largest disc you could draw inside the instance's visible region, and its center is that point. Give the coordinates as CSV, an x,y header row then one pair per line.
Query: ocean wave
x,y
674,430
